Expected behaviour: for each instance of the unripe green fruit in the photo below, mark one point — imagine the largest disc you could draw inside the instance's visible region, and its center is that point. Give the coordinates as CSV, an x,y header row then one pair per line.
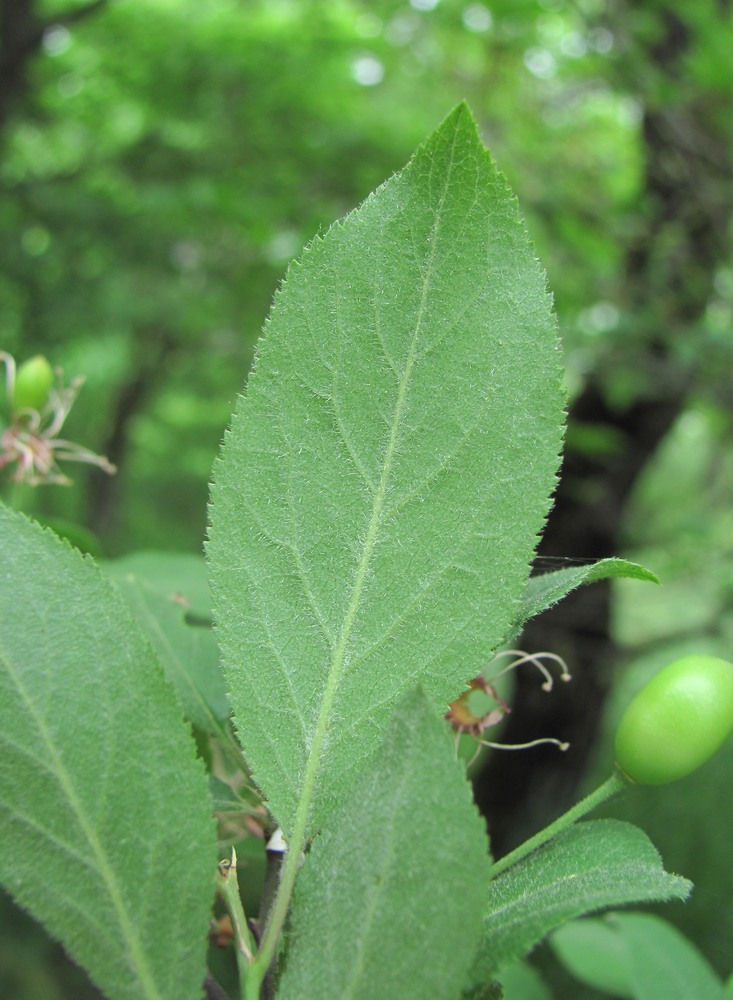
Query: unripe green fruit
x,y
677,721
33,382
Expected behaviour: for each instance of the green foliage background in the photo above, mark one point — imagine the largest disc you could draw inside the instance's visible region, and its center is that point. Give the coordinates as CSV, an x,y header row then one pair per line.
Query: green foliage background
x,y
171,157
166,158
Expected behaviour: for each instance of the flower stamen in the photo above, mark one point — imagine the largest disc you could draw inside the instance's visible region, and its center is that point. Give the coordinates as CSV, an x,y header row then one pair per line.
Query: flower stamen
x,y
536,659
31,439
465,720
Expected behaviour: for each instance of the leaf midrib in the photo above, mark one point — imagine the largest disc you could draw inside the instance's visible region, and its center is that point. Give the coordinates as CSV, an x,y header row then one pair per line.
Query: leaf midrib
x,y
298,836
104,868
338,658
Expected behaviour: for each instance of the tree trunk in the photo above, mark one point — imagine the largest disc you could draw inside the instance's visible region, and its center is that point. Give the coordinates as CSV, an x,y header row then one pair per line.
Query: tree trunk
x,y
21,36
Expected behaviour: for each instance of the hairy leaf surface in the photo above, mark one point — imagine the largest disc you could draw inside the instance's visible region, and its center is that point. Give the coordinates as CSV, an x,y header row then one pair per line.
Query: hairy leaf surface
x,y
595,864
105,827
547,589
390,899
380,491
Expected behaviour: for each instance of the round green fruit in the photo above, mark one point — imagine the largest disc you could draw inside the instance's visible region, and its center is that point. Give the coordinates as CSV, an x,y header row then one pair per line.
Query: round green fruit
x,y
33,382
677,721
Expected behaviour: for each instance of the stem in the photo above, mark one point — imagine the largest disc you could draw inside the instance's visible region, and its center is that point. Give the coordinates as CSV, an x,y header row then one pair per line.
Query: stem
x,y
279,911
243,944
276,852
610,787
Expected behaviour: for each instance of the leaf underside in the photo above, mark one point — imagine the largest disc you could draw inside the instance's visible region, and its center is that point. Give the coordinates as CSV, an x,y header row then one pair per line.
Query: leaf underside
x,y
411,858
381,489
103,800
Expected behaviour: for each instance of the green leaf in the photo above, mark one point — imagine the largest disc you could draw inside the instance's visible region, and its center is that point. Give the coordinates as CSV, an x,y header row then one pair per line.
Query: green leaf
x,y
636,955
223,797
590,866
379,494
595,954
390,899
160,590
180,575
489,991
662,962
105,830
546,589
520,981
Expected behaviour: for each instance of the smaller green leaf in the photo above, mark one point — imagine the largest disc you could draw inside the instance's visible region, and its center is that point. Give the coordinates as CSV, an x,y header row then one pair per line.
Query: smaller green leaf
x,y
223,796
520,981
594,954
161,591
390,899
178,574
547,589
637,956
590,866
662,962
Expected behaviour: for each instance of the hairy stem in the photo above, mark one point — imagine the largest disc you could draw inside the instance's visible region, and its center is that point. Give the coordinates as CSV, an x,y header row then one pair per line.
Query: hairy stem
x,y
243,944
610,787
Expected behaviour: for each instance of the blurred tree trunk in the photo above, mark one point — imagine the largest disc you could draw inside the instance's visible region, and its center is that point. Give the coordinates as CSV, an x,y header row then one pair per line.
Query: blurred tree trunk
x,y
21,33
153,352
682,236
21,37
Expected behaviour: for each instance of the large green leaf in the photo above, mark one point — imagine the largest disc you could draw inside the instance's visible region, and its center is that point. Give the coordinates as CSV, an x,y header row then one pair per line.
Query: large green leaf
x,y
105,829
390,899
380,491
591,866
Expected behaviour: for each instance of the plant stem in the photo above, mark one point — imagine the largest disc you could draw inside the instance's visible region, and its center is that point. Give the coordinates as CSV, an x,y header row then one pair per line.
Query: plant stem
x,y
243,943
279,911
610,787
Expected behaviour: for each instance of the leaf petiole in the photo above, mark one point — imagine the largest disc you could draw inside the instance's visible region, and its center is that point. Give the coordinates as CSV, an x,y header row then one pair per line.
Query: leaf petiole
x,y
610,787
